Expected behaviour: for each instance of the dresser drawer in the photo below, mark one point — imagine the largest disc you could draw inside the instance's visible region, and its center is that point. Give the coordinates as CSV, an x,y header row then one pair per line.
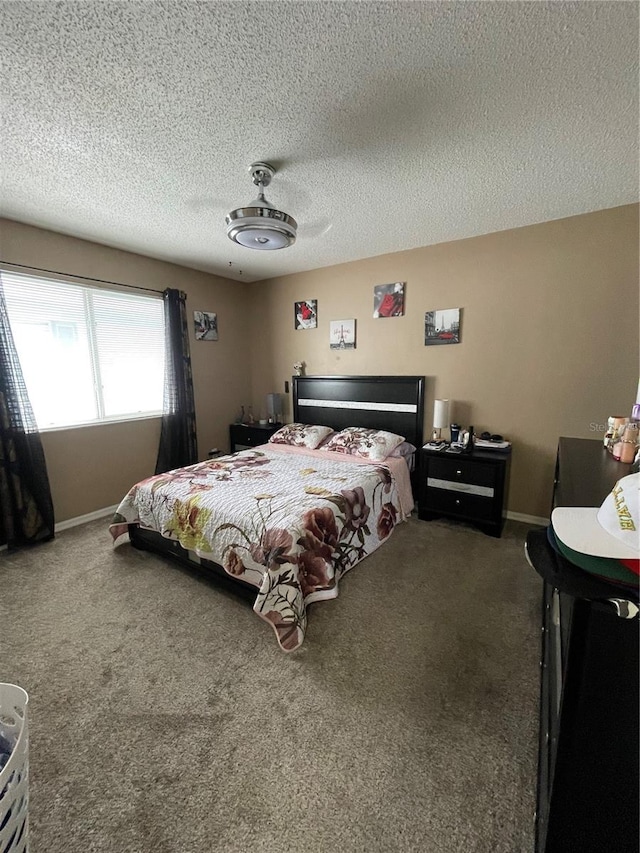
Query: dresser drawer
x,y
250,437
462,471
461,503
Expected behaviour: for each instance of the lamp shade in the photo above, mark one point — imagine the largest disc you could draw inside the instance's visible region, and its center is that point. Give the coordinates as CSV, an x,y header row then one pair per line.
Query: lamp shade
x,y
440,414
274,405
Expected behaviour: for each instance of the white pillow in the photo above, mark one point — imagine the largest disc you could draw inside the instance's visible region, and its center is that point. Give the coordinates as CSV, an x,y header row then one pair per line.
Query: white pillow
x,y
405,450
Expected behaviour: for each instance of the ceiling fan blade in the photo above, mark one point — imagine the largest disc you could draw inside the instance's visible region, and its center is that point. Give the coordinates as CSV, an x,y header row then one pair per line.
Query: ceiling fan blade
x,y
316,228
202,203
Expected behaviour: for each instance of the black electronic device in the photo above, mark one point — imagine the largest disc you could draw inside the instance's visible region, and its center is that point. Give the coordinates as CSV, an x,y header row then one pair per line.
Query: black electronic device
x,y
487,436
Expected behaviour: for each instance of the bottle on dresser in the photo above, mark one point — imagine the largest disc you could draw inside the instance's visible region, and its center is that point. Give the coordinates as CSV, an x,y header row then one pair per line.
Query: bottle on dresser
x,y
468,440
635,411
624,449
626,444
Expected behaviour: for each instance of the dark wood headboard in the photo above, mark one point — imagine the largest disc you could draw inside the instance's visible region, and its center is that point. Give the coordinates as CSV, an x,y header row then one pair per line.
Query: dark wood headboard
x,y
393,403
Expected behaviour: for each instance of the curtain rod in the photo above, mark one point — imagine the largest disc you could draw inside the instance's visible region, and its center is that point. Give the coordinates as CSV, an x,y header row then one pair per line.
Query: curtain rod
x,y
83,277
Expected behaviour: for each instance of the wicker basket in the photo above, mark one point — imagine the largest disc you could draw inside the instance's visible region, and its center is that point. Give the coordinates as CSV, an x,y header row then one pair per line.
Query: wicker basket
x,y
14,776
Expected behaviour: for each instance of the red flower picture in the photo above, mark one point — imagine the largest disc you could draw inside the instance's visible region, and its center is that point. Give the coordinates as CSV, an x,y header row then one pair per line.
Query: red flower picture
x,y
306,314
388,300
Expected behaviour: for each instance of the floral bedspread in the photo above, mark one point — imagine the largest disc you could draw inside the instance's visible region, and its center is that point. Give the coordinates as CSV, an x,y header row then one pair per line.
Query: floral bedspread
x,y
289,521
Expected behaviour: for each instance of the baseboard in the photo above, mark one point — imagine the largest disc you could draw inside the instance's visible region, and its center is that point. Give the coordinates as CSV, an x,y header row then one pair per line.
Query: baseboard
x,y
83,519
109,510
527,519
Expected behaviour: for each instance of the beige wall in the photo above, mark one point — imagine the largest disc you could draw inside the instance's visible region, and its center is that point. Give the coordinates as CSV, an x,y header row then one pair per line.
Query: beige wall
x,y
93,467
549,342
549,332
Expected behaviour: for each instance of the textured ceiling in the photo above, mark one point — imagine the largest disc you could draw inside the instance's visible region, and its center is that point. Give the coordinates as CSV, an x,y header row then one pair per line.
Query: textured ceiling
x,y
393,125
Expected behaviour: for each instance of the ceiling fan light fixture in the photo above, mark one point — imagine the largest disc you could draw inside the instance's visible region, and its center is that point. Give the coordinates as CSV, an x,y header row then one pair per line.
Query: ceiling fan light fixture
x,y
259,225
261,228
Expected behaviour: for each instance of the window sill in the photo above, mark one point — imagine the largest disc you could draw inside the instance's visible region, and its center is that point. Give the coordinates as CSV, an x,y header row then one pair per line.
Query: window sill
x,y
104,421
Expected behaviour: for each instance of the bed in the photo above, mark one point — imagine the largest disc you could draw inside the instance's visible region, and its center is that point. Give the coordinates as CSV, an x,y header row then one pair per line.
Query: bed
x,y
280,524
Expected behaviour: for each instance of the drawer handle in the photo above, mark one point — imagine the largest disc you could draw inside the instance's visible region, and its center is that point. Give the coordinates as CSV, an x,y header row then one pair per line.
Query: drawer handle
x,y
624,609
457,502
458,472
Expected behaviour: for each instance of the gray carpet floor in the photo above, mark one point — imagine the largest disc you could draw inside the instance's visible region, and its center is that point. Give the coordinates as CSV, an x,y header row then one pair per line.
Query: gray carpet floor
x,y
164,717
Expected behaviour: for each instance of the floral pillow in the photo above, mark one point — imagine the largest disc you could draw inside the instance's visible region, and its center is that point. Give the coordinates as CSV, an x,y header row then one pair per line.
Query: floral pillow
x,y
374,444
301,435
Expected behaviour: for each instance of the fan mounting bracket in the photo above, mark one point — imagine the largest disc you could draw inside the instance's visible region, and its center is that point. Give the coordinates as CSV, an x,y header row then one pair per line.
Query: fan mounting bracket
x,y
261,173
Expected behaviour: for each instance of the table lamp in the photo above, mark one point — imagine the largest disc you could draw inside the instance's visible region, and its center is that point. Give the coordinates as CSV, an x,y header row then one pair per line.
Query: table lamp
x,y
274,408
440,418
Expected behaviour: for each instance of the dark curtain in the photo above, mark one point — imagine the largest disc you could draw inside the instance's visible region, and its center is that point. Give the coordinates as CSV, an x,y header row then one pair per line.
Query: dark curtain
x,y
178,442
26,508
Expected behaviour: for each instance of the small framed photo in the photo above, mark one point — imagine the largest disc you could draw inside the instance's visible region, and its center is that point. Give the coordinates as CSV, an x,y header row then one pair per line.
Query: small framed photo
x,y
206,326
442,327
306,314
342,334
388,299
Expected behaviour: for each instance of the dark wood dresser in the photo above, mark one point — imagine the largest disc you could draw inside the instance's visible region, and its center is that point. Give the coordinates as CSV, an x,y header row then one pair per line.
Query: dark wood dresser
x,y
244,436
588,780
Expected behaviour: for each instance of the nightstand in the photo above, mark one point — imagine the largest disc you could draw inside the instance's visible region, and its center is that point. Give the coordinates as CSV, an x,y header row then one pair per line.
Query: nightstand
x,y
243,436
471,487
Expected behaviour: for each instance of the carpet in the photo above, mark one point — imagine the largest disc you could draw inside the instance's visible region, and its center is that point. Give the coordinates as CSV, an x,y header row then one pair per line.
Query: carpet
x,y
164,717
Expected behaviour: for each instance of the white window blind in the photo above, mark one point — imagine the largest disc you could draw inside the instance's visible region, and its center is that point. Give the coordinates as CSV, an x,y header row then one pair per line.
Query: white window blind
x,y
87,354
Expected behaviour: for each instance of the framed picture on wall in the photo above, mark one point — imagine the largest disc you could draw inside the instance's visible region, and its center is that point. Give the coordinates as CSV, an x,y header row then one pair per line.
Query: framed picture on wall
x,y
442,327
306,314
342,334
206,326
388,299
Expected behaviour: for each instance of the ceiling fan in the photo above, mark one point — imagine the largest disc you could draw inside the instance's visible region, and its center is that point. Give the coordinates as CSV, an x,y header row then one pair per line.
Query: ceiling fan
x,y
259,225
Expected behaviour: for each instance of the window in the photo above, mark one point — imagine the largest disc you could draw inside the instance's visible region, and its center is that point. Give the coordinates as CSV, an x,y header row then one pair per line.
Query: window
x,y
87,354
